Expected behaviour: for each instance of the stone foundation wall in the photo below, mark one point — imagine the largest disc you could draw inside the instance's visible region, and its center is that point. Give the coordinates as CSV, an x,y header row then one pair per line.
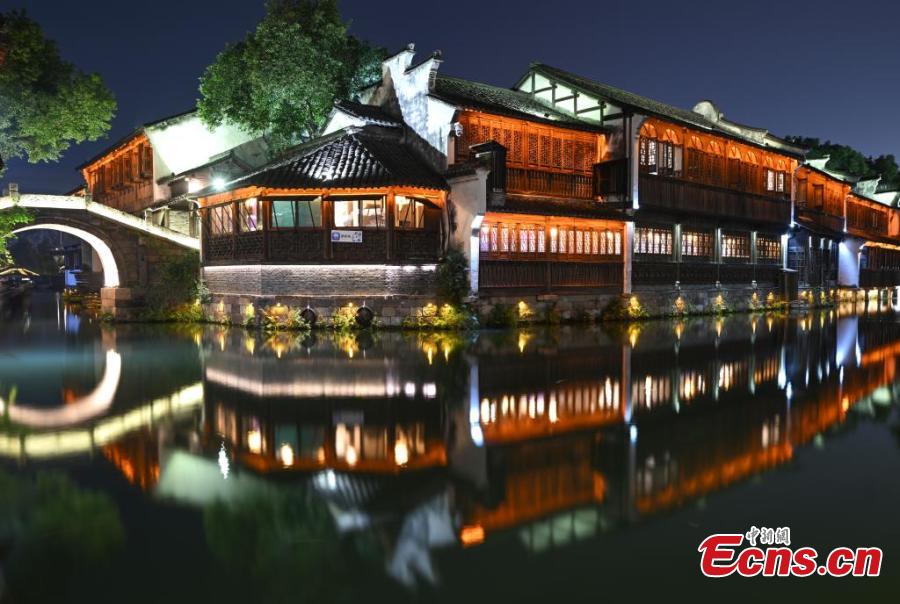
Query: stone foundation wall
x,y
393,293
341,280
389,311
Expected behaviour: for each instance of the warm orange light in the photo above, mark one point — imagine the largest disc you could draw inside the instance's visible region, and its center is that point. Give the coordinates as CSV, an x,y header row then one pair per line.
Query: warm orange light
x,y
287,455
254,441
472,535
401,453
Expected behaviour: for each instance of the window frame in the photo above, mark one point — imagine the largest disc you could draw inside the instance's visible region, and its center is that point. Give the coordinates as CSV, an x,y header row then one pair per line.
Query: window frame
x,y
359,200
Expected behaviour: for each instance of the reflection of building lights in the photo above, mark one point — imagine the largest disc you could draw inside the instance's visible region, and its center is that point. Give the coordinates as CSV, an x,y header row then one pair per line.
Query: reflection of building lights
x,y
352,457
224,465
845,403
551,412
429,390
471,535
429,349
254,441
401,453
633,433
633,332
409,389
287,455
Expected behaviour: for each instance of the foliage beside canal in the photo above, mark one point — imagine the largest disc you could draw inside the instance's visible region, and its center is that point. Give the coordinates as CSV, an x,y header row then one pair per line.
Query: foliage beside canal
x,y
51,526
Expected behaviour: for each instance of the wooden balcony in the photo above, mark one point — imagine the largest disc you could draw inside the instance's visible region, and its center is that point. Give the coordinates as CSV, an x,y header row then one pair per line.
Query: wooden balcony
x,y
876,278
665,193
666,273
528,181
817,218
313,246
549,276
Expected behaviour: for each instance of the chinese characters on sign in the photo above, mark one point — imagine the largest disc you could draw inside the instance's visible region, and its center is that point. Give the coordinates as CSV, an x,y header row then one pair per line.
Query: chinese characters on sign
x,y
346,236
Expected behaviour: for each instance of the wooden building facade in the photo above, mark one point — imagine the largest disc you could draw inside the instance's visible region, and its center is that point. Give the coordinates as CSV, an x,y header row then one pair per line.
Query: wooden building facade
x,y
356,198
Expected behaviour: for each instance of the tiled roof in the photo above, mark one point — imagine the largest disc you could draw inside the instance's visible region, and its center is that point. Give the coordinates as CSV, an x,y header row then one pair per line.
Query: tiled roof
x,y
635,102
369,113
352,158
503,101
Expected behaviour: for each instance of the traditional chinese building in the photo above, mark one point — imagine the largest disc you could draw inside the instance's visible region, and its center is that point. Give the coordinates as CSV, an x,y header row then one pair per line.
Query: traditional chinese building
x,y
563,193
155,170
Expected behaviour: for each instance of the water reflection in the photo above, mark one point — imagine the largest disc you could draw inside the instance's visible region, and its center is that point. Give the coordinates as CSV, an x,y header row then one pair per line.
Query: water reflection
x,y
425,443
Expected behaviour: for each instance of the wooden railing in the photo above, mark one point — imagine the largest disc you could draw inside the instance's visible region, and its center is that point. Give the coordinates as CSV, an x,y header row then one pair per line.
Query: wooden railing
x,y
867,220
820,218
702,273
694,198
874,277
553,184
549,276
312,246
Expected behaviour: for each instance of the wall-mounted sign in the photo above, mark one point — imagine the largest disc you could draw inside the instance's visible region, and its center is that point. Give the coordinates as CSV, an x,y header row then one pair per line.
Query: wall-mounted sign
x,y
346,236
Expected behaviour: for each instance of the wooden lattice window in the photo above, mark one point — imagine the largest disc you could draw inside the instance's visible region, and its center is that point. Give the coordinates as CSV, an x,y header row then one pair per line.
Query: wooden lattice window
x,y
653,241
768,249
736,246
696,244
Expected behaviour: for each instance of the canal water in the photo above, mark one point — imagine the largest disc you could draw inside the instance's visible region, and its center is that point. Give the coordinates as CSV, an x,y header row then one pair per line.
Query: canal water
x,y
185,464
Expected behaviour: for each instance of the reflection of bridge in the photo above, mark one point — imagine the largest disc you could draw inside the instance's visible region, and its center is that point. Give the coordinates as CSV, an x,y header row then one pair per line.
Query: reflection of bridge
x,y
84,408
61,443
129,248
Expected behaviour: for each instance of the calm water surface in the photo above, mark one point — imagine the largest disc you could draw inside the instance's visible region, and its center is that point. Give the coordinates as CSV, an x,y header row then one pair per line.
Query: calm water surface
x,y
163,464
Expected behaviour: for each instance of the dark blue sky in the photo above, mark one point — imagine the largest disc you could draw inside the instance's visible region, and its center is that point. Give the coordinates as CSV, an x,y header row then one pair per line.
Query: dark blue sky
x,y
828,69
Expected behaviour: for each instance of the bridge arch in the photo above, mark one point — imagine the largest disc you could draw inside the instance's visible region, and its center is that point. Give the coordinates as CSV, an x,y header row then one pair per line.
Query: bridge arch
x,y
104,252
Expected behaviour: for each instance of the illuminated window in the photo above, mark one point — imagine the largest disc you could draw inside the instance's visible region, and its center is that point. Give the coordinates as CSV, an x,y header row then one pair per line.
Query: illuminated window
x,y
303,213
648,154
484,239
504,238
696,244
283,214
657,242
355,213
771,180
409,213
249,215
736,246
768,249
346,213
221,219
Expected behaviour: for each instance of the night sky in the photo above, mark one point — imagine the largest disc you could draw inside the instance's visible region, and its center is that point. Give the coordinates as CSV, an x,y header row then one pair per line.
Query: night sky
x,y
827,69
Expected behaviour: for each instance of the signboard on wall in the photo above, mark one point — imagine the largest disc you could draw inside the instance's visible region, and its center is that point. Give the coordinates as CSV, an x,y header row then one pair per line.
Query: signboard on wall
x,y
346,236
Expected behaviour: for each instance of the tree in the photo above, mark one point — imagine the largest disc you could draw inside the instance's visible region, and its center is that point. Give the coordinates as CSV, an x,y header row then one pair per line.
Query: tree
x,y
10,220
46,103
842,158
281,80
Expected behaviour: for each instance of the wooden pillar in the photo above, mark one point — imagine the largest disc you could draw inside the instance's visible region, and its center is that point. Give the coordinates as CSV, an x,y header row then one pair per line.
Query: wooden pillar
x,y
389,226
262,206
327,225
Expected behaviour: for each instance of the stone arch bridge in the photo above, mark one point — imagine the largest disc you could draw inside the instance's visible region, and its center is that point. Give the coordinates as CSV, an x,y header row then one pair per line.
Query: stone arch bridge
x,y
130,250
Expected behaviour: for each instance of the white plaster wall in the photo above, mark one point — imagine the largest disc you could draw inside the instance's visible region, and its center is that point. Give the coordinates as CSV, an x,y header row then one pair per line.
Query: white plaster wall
x,y
469,197
340,120
848,261
187,143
